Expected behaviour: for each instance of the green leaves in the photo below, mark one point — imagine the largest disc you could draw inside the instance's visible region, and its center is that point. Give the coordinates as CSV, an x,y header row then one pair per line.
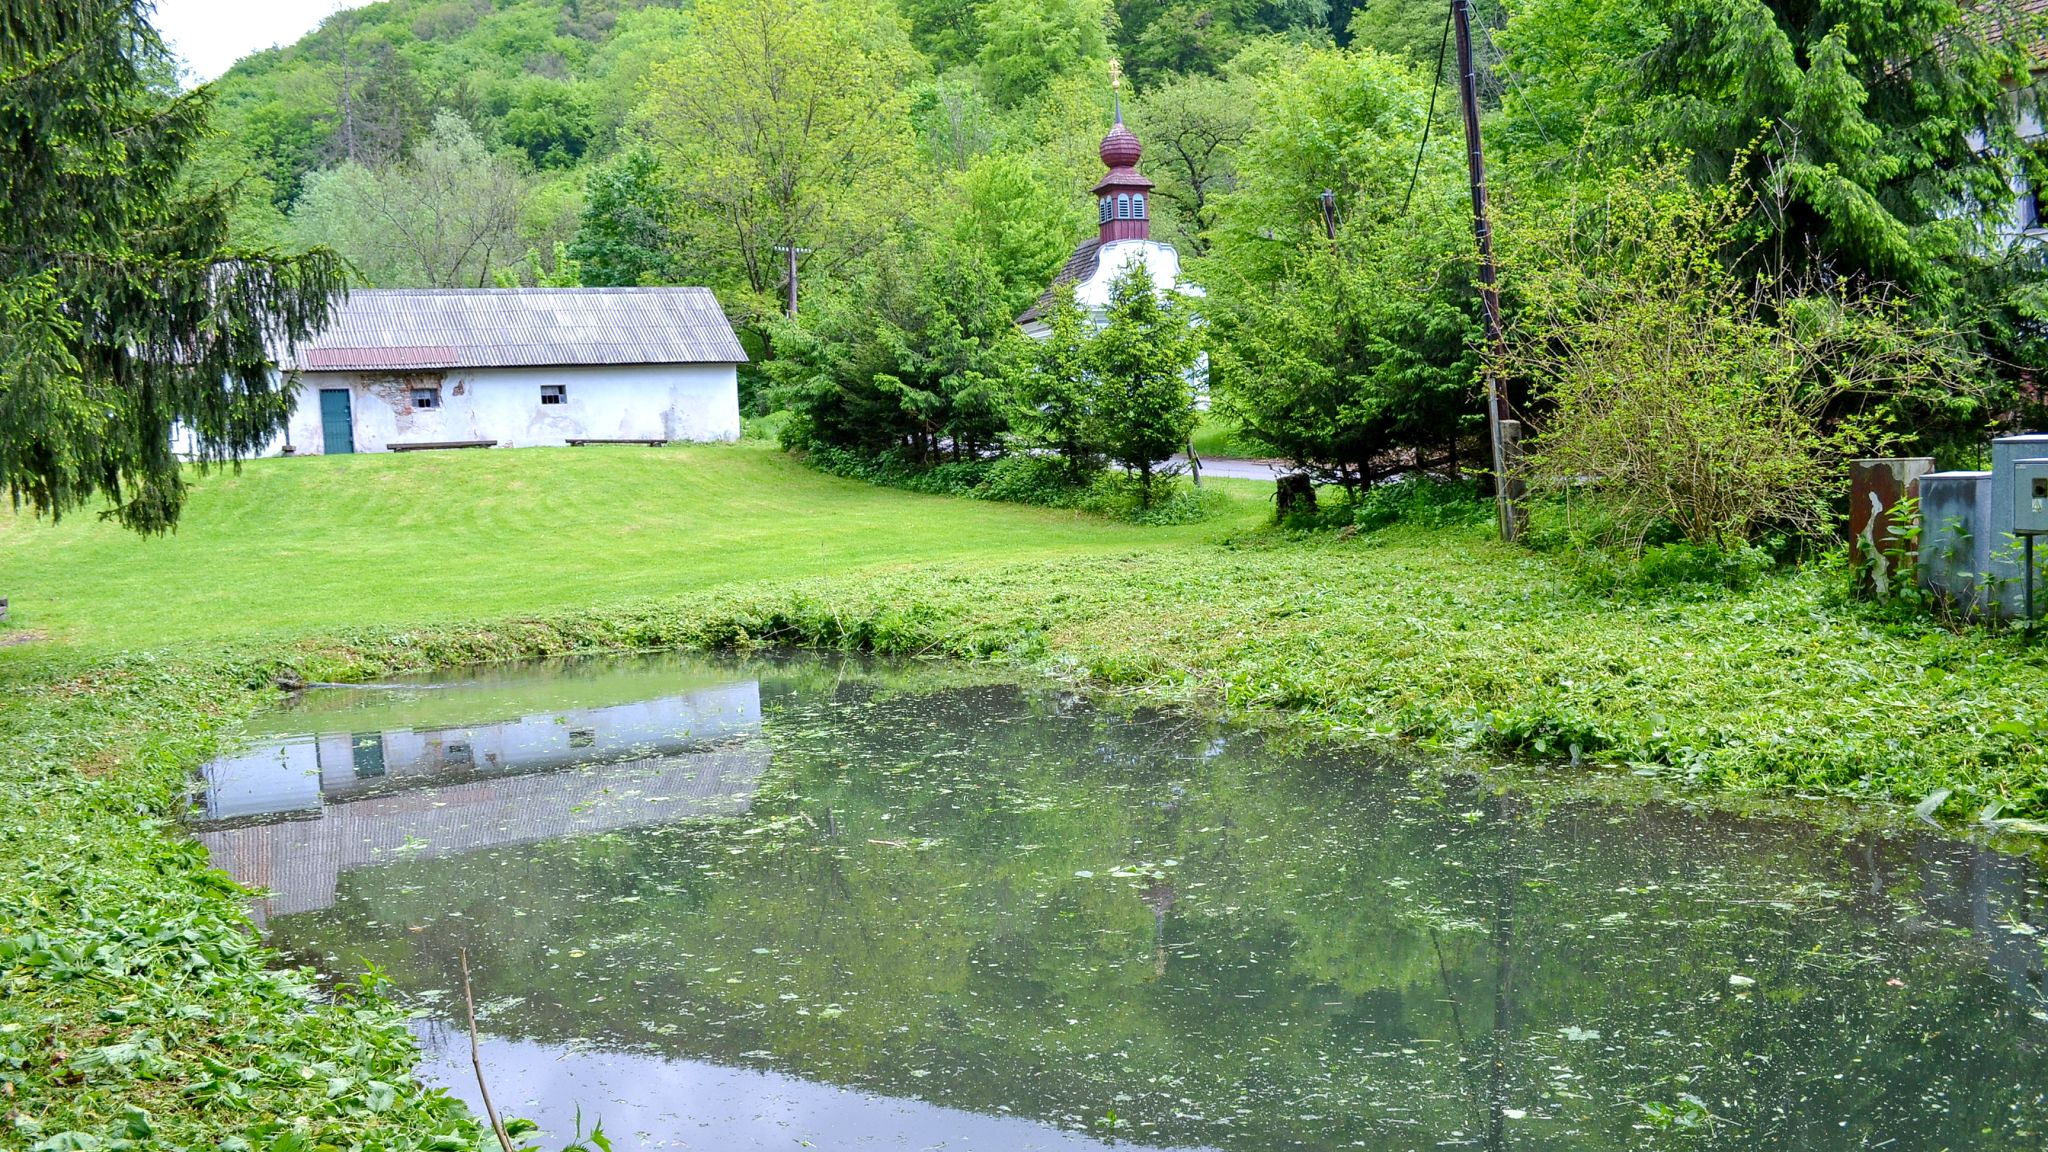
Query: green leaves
x,y
1690,392
782,122
1139,363
1338,353
915,360
125,308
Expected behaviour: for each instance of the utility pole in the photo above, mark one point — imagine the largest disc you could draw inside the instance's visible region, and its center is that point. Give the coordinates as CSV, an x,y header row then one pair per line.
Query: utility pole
x,y
1489,295
1329,201
793,252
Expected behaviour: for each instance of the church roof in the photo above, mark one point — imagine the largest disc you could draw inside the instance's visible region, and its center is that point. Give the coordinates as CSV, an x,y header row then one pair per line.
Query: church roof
x,y
1079,268
401,329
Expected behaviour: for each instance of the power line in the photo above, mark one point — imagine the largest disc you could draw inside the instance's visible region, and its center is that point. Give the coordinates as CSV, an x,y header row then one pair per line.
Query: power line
x,y
1436,81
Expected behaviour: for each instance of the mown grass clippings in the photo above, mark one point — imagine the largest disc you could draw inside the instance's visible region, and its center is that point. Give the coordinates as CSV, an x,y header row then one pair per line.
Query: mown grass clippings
x,y
139,1010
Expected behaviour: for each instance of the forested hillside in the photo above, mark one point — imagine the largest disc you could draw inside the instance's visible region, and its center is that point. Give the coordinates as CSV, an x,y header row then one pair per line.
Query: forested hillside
x,y
928,161
523,126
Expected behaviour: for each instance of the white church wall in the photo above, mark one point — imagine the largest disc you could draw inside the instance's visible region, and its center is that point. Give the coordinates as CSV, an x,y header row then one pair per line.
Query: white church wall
x,y
1161,260
1092,294
613,402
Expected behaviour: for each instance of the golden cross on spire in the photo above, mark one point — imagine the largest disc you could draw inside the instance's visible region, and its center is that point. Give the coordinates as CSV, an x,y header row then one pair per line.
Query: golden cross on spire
x,y
1116,73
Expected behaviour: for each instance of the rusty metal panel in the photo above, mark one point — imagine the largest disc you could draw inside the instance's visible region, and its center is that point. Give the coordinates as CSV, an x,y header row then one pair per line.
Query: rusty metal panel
x,y
1875,488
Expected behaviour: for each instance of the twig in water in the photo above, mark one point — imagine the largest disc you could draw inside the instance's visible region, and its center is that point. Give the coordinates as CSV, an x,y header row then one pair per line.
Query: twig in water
x,y
476,1060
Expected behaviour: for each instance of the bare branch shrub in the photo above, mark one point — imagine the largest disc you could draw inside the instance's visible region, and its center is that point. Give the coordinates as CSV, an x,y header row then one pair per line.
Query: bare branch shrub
x,y
1678,386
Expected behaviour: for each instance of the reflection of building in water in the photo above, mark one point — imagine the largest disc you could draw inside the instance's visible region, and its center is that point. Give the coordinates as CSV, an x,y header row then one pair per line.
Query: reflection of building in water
x,y
339,801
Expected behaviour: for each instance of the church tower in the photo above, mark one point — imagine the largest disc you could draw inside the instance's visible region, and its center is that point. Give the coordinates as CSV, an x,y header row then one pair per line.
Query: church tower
x,y
1123,231
1121,197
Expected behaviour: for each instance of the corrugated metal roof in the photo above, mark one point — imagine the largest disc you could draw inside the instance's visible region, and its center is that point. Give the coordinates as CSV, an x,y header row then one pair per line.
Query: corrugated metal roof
x,y
388,329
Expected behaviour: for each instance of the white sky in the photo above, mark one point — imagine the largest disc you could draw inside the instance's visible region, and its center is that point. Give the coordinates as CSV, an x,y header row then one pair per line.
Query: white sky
x,y
212,34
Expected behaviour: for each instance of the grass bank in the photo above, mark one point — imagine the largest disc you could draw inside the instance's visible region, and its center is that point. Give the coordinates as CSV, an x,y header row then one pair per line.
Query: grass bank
x,y
289,546
138,1001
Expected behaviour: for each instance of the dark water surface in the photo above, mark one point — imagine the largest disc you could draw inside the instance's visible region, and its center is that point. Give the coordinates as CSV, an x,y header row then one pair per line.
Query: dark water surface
x,y
802,903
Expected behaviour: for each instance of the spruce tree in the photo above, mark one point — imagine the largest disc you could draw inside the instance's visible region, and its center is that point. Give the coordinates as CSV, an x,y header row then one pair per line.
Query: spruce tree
x,y
1141,360
1884,137
1059,387
124,309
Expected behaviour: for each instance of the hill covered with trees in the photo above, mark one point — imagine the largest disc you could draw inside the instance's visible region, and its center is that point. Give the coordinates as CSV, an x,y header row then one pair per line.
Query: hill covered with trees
x,y
659,141
1861,177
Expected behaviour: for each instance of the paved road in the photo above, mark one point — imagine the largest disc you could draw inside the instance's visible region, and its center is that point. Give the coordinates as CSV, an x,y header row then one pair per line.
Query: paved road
x,y
1237,469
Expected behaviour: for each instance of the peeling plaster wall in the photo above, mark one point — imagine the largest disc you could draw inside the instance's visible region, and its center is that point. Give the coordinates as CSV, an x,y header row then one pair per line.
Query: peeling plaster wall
x,y
616,402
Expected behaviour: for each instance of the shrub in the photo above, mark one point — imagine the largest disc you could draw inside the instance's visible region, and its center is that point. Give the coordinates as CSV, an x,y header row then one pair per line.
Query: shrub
x,y
1026,478
1422,500
1682,390
1021,478
1681,564
952,478
1158,504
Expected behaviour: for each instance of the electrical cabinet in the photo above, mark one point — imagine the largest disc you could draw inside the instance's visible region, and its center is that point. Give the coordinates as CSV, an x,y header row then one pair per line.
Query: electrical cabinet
x,y
2030,496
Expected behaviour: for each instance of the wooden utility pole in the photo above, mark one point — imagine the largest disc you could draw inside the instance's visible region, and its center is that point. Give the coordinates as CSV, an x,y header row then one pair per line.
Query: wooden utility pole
x,y
793,252
1506,510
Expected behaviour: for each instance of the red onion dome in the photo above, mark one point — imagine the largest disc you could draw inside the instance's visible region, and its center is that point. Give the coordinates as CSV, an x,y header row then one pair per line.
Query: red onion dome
x,y
1120,149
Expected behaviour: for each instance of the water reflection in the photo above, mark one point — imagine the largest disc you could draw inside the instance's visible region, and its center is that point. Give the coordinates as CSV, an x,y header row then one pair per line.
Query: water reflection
x,y
291,813
979,916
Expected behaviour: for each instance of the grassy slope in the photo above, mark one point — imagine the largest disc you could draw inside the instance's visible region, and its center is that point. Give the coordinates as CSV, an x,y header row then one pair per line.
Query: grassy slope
x,y
328,542
1445,637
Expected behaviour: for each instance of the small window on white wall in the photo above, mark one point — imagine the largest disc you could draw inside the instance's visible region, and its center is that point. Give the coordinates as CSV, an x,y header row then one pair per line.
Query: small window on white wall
x,y
426,397
554,394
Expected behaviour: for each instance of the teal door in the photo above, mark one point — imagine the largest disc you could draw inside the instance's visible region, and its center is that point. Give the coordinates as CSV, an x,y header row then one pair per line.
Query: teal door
x,y
336,427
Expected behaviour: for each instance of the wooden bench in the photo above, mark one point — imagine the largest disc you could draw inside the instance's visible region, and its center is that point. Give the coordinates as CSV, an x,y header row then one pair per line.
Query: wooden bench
x,y
591,440
431,446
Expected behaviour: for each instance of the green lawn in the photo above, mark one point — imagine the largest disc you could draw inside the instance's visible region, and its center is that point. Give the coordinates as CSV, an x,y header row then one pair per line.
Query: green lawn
x,y
288,546
1216,435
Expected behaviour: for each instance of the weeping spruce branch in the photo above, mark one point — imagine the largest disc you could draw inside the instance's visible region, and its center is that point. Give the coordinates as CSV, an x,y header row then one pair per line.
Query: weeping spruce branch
x,y
124,309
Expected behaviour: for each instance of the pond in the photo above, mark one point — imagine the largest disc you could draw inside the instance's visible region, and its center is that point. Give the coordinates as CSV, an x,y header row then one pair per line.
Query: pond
x,y
799,902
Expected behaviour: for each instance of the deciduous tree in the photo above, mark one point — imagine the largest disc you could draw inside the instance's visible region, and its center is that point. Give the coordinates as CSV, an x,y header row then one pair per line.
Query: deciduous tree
x,y
1027,44
627,228
1354,354
1192,127
1017,221
446,218
1678,390
783,122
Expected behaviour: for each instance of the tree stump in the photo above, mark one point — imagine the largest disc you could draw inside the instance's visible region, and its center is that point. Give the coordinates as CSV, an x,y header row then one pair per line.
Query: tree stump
x,y
1292,493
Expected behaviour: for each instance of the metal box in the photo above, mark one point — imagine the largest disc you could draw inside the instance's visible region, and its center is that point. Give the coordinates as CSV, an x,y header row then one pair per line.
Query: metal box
x,y
2030,496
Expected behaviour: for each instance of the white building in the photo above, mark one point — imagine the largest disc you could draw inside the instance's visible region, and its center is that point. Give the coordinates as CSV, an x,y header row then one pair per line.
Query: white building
x,y
1123,237
404,368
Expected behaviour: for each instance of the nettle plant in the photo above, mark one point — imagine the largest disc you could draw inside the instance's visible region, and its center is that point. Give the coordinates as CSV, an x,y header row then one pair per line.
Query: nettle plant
x,y
1678,384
